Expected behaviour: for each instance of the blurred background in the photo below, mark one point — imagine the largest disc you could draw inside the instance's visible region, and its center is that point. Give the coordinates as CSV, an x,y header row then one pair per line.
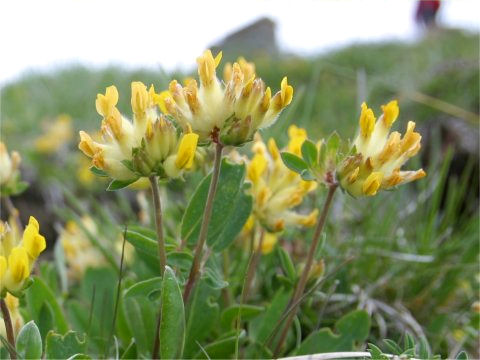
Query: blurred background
x,y
421,258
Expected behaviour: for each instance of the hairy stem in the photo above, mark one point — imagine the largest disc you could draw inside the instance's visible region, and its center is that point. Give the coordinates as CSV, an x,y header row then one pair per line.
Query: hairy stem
x,y
304,277
207,213
8,327
158,222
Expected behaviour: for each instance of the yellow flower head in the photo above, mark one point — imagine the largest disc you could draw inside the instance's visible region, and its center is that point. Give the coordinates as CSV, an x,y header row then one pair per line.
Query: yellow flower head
x,y
8,165
148,145
231,110
18,253
380,154
57,134
275,189
79,252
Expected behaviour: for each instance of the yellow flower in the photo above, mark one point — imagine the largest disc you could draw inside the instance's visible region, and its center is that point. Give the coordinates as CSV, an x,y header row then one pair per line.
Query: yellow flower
x,y
269,242
380,155
80,254
275,189
57,134
148,145
8,166
34,242
230,111
18,254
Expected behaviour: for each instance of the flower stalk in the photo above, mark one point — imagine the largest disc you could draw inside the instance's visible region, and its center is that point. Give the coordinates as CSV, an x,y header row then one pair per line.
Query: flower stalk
x,y
158,222
8,327
202,237
304,277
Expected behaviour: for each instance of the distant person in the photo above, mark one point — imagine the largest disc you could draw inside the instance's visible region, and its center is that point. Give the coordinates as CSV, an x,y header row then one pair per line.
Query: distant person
x,y
427,12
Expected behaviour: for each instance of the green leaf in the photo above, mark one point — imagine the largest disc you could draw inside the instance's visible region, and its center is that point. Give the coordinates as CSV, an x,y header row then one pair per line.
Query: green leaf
x,y
98,172
60,265
309,153
221,349
234,224
230,314
172,325
287,264
307,175
141,317
293,162
352,328
41,299
128,164
63,347
262,326
146,246
423,351
213,274
202,316
409,341
102,280
131,351
376,353
20,187
120,184
229,186
29,342
393,347
462,355
333,144
144,288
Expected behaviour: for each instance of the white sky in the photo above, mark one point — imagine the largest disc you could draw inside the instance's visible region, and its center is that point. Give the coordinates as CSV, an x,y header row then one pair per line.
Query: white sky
x,y
41,35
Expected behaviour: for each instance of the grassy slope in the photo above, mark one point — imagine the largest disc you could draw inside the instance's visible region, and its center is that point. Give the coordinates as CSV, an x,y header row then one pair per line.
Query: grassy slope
x,y
439,293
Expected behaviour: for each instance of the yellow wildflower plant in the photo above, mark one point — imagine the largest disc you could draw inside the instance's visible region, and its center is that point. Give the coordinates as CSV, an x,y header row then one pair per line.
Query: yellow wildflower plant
x,y
276,190
10,183
229,112
18,254
379,154
150,145
57,134
15,316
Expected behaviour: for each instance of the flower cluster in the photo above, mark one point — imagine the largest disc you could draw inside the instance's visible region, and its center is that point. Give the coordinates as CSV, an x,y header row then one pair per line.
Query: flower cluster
x,y
276,189
379,155
230,111
18,254
56,134
151,145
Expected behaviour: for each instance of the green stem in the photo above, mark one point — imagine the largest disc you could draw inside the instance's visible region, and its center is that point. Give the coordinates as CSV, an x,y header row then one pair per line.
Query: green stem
x,y
207,213
9,328
249,274
304,277
158,222
252,265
